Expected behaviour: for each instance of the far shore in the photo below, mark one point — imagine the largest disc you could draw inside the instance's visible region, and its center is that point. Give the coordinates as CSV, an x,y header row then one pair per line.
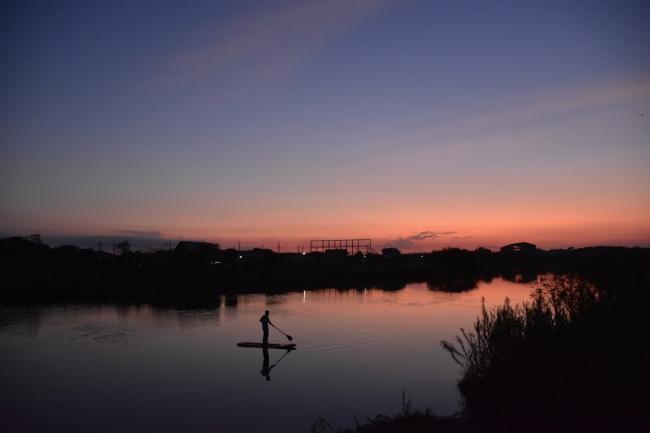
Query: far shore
x,y
34,272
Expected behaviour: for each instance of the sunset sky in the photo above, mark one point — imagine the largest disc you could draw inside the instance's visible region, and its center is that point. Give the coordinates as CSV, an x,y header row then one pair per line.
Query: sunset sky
x,y
418,124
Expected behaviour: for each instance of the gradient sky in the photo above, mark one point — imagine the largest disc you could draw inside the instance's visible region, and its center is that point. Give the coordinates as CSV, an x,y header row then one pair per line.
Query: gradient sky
x,y
419,124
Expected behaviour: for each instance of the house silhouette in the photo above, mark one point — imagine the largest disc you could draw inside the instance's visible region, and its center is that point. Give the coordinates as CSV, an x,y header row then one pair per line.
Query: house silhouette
x,y
519,248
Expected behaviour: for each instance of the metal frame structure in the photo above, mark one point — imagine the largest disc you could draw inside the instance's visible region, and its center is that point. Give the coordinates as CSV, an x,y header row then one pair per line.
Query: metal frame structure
x,y
352,246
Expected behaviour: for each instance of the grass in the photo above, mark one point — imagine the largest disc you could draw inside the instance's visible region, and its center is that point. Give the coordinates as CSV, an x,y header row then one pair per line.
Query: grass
x,y
407,420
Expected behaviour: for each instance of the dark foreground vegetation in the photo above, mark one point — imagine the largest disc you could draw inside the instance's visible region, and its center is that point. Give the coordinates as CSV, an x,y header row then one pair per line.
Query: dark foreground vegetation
x,y
575,358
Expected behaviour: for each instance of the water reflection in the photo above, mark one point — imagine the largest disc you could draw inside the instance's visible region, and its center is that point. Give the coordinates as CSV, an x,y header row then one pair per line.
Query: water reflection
x,y
367,345
266,369
520,276
20,321
100,334
458,283
26,320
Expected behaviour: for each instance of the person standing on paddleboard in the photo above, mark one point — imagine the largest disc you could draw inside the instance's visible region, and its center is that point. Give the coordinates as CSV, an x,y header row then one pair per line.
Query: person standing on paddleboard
x,y
265,326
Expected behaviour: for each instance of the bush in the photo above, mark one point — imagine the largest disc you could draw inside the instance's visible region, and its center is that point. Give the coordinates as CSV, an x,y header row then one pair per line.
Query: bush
x,y
562,361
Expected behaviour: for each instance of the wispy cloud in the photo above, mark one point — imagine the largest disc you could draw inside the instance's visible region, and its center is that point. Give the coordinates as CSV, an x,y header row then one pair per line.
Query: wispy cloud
x,y
269,44
141,233
407,242
562,101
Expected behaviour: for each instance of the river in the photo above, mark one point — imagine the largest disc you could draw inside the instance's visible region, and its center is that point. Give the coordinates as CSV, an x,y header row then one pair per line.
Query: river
x,y
108,368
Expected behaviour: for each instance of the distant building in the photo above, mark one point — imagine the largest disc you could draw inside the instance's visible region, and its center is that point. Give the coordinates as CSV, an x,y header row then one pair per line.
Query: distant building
x,y
192,247
519,248
259,254
390,252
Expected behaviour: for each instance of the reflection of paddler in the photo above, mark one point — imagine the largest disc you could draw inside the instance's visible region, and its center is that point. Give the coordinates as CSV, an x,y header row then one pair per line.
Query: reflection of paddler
x,y
266,369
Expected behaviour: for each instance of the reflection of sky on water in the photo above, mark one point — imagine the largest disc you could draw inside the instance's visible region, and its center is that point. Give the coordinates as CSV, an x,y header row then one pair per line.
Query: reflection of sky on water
x,y
139,367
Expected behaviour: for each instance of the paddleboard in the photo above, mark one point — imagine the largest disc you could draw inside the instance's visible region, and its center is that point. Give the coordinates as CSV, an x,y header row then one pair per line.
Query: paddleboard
x,y
290,346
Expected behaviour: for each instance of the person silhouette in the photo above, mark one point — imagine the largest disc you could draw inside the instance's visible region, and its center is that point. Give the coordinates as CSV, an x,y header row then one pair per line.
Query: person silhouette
x,y
265,327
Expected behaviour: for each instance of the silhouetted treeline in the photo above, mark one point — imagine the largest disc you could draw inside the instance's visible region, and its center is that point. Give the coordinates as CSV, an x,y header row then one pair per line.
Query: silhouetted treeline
x,y
33,271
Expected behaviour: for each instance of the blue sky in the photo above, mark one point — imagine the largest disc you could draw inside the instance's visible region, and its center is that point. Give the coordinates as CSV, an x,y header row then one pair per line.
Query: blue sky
x,y
298,120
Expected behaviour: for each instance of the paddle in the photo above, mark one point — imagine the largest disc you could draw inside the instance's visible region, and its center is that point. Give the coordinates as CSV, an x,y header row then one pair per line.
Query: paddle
x,y
288,336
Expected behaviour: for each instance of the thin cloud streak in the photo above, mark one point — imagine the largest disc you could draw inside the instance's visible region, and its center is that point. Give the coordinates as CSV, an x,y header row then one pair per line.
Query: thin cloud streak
x,y
563,101
141,233
409,242
268,45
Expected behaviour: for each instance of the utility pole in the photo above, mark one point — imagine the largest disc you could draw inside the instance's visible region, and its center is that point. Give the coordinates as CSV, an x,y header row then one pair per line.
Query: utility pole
x,y
278,247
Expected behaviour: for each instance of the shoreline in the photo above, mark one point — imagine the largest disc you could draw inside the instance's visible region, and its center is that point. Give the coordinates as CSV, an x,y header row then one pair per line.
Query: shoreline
x,y
33,272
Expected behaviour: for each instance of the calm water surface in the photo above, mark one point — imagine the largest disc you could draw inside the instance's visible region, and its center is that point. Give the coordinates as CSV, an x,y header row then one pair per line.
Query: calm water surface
x,y
121,369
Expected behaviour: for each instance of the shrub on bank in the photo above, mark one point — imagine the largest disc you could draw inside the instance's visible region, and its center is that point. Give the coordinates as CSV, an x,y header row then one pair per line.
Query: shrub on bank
x,y
573,358
567,360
